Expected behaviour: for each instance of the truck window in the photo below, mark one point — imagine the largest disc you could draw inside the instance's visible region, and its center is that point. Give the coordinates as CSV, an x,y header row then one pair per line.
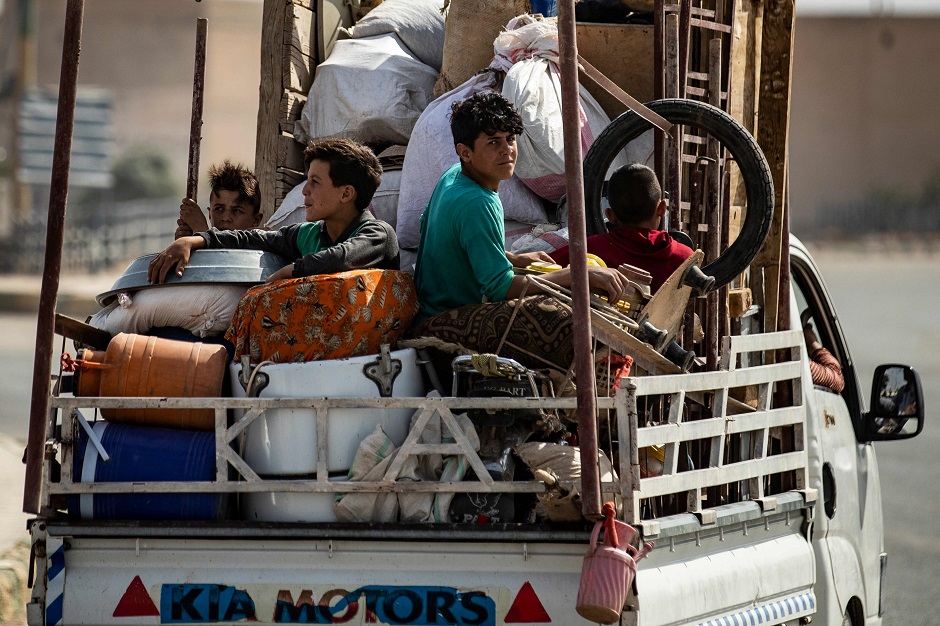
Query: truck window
x,y
814,306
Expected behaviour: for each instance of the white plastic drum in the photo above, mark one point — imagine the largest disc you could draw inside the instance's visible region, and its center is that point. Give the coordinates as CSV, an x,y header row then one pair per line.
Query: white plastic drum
x,y
290,507
284,441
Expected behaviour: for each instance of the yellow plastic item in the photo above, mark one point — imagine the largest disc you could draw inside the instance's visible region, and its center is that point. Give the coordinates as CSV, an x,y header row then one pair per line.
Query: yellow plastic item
x,y
543,267
622,305
596,261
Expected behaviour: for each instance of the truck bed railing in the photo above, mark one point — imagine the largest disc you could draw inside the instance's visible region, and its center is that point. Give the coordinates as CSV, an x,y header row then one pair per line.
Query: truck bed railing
x,y
736,444
721,426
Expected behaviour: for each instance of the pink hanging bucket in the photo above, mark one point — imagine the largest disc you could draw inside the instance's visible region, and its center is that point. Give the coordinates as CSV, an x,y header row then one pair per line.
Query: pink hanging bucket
x,y
608,571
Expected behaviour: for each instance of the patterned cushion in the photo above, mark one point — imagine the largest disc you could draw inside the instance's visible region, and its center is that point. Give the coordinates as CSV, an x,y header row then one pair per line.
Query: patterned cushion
x,y
330,316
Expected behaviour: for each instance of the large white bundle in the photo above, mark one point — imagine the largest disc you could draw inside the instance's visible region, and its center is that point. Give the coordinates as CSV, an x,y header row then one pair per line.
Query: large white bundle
x,y
431,152
203,310
369,90
528,52
418,23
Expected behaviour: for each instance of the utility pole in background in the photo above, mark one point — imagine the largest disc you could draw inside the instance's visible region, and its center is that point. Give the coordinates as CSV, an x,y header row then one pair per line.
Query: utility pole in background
x,y
25,80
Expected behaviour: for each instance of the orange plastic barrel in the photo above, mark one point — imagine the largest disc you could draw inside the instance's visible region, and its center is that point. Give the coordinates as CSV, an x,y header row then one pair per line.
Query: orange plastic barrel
x,y
88,379
141,366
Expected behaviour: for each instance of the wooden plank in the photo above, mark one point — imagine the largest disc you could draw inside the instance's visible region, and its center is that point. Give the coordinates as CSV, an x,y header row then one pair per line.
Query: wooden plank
x,y
289,176
81,332
711,477
772,136
744,77
270,91
292,104
605,46
739,301
286,181
290,153
299,57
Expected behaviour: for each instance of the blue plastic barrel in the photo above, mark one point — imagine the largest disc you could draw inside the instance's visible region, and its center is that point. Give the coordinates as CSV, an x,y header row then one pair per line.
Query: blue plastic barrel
x,y
145,454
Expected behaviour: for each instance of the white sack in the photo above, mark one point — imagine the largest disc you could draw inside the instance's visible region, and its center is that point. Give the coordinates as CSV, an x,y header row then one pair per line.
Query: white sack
x,y
543,238
431,152
203,310
384,203
368,90
376,454
419,24
562,503
528,52
291,210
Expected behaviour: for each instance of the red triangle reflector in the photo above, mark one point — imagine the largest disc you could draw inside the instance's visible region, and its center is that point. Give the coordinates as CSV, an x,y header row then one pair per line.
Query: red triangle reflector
x,y
527,608
136,601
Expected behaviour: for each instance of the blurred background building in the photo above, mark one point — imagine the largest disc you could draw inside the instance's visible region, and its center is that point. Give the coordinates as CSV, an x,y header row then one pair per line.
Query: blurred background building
x,y
137,56
864,129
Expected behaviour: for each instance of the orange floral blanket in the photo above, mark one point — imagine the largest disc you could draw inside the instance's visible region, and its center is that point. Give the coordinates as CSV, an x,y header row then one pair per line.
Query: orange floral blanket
x,y
330,316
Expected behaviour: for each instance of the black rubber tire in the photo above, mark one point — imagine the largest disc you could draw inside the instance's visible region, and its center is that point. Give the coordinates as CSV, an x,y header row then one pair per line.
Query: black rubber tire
x,y
732,135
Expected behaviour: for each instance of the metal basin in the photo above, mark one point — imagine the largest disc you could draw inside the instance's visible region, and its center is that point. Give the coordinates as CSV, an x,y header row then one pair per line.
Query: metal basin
x,y
244,267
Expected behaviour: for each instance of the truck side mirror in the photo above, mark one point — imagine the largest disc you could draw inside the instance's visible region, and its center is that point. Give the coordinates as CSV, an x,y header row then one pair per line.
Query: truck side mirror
x,y
897,404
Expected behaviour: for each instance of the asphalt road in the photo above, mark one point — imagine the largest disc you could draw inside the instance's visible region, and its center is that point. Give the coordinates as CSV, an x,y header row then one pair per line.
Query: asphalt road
x,y
888,308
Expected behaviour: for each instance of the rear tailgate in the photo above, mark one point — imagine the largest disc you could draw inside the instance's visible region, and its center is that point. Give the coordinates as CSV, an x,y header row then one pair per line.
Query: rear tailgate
x,y
176,581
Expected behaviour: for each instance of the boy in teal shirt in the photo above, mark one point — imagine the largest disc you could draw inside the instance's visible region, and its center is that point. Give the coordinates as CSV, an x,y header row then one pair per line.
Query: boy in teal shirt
x,y
464,275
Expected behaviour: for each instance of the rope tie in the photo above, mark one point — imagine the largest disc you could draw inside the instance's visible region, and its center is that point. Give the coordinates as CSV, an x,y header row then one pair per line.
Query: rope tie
x,y
486,364
72,365
610,530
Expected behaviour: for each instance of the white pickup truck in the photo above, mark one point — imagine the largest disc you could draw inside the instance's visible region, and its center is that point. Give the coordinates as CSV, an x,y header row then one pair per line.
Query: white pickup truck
x,y
759,489
773,534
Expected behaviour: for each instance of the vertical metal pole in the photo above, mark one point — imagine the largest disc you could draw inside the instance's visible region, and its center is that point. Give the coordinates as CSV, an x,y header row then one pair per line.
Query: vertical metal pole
x,y
659,64
674,148
584,360
713,196
195,126
697,183
58,198
685,40
724,322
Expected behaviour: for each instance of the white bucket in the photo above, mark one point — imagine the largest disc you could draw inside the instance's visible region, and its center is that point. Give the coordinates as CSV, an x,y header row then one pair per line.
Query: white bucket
x,y
284,441
290,507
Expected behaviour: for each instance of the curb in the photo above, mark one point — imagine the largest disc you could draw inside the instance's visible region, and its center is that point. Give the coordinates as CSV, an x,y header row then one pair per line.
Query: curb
x,y
14,593
72,305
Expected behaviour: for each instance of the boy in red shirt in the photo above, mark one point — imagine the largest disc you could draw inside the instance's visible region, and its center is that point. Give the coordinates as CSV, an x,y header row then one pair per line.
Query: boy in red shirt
x,y
636,210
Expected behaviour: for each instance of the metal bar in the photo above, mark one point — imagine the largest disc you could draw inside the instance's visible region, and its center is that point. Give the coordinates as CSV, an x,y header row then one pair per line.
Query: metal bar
x,y
195,125
685,36
264,404
674,146
695,213
583,359
58,199
323,435
658,88
261,485
309,531
658,121
709,477
713,204
221,445
724,323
